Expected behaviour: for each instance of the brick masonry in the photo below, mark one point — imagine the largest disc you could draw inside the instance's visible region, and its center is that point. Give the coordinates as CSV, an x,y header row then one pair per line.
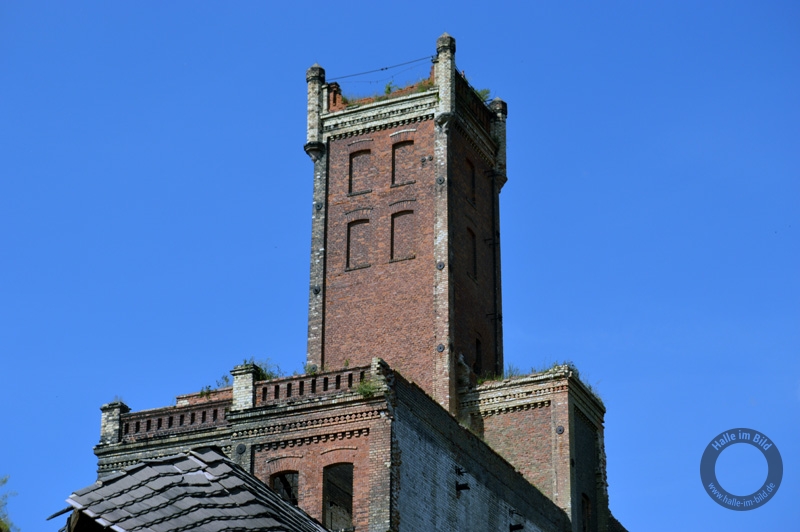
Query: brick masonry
x,y
405,266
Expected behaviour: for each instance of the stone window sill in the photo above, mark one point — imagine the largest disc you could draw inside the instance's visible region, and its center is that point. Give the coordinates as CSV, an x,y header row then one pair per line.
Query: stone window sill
x,y
359,193
359,267
403,258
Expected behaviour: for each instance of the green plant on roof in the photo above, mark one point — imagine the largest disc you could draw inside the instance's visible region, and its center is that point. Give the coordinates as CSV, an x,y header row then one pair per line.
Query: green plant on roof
x,y
367,388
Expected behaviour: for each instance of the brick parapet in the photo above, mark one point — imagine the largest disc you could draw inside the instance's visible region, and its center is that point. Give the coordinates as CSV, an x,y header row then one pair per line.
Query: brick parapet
x,y
309,387
173,420
205,396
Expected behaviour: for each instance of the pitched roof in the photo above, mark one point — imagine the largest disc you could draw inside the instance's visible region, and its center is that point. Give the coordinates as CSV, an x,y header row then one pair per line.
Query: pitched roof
x,y
196,490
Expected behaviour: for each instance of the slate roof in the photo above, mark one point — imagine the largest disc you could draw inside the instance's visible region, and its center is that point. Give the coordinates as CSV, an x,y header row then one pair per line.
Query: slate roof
x,y
197,490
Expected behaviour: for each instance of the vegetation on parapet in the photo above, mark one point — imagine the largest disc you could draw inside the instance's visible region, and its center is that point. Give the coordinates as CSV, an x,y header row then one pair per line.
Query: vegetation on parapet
x,y
266,371
513,372
367,388
390,90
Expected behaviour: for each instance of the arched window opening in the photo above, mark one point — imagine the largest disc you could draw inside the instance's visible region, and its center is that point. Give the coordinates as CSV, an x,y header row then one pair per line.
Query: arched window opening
x,y
285,485
337,496
357,245
402,244
403,163
360,172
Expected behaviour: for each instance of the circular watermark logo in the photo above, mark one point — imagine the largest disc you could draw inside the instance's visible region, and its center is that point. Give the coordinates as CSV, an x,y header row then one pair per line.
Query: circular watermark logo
x,y
708,473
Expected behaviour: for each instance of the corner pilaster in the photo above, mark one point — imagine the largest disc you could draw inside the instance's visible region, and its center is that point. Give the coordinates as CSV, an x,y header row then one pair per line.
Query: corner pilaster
x,y
316,150
244,377
444,383
110,422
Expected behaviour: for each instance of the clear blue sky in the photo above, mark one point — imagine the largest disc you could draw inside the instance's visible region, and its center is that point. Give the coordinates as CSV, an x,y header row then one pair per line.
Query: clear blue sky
x,y
155,205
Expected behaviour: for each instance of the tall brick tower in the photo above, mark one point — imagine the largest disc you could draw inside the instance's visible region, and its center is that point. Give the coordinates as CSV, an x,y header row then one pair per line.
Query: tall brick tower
x,y
405,267
405,249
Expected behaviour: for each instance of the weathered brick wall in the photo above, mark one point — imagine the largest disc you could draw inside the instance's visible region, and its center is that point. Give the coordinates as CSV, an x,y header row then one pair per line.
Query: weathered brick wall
x,y
381,305
526,439
472,239
308,441
550,428
435,454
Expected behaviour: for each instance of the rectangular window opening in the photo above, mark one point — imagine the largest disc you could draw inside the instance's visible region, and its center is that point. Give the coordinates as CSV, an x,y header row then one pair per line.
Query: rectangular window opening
x,y
337,496
285,485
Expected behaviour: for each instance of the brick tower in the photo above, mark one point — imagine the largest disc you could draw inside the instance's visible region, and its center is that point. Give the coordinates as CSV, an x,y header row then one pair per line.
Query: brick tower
x,y
388,428
405,249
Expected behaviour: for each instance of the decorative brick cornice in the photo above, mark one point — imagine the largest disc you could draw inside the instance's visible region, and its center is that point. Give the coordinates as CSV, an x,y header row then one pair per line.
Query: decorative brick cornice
x,y
513,395
476,137
509,409
329,129
306,424
311,440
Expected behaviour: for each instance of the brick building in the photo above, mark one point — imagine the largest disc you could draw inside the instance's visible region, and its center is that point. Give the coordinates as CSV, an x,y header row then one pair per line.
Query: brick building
x,y
389,429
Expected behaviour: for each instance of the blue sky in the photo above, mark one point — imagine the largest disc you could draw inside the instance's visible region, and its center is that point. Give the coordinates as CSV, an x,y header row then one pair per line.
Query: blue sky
x,y
155,208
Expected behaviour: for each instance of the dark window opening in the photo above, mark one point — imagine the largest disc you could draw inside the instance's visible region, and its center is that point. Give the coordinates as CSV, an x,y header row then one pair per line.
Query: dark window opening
x,y
477,367
285,485
402,236
148,426
586,513
214,415
349,380
337,496
357,245
264,393
360,172
191,418
288,389
325,384
300,388
169,422
125,430
403,162
180,421
137,427
277,391
313,385
471,182
203,417
158,424
338,381
473,254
